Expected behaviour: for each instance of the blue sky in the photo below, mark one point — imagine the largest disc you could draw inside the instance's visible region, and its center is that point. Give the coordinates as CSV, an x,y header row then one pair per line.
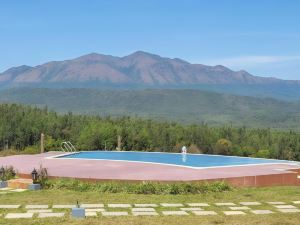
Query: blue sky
x,y
260,36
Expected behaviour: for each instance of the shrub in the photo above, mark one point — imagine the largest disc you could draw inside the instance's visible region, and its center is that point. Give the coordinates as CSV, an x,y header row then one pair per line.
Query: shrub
x,y
42,176
9,173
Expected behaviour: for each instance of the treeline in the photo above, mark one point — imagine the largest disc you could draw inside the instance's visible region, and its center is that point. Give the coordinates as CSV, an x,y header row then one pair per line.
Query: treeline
x,y
20,127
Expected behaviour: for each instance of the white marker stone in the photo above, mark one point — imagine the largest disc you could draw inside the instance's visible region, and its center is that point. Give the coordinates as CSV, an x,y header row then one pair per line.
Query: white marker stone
x,y
9,206
285,207
119,205
145,205
92,206
296,202
18,215
46,215
204,213
197,204
143,210
225,204
171,204
239,208
250,203
229,213
145,213
261,212
175,213
115,213
63,206
36,207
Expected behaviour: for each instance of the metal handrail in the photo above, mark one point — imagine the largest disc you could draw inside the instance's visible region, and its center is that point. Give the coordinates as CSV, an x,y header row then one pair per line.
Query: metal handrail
x,y
67,146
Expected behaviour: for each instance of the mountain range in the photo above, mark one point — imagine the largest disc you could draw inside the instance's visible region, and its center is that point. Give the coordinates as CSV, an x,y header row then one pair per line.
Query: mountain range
x,y
137,69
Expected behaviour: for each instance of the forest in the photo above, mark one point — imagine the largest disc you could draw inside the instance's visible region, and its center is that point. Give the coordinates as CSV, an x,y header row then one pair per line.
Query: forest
x,y
21,126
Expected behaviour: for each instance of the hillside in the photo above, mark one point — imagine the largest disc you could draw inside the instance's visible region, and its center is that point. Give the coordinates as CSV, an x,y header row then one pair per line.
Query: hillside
x,y
186,106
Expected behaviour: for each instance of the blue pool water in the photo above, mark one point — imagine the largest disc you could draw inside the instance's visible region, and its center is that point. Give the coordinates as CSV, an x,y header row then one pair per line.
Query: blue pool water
x,y
189,160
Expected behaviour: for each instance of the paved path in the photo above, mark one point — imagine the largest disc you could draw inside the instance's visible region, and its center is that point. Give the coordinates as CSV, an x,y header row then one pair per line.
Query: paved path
x,y
18,211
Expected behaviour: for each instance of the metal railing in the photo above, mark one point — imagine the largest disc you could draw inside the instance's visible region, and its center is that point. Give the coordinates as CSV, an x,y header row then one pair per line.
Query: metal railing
x,y
67,146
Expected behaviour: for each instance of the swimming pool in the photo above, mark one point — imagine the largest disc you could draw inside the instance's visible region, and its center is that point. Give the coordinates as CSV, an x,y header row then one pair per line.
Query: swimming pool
x,y
176,159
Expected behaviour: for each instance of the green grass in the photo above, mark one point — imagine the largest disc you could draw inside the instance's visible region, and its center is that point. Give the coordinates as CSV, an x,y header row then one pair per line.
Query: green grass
x,y
286,194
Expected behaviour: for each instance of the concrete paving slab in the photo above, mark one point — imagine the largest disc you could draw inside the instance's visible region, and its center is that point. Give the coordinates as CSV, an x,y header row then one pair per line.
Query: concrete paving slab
x,y
146,205
90,214
36,207
18,215
174,213
239,208
86,206
95,210
231,213
250,203
191,209
261,212
197,204
18,190
9,206
145,213
5,189
39,210
63,206
285,207
119,205
276,203
46,215
115,213
205,213
225,204
171,204
143,210
289,210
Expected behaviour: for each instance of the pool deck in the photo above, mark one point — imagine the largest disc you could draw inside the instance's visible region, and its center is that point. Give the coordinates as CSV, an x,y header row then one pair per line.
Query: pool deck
x,y
250,175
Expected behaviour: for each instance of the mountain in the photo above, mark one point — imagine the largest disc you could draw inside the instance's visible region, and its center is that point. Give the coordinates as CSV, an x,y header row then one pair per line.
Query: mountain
x,y
137,69
186,106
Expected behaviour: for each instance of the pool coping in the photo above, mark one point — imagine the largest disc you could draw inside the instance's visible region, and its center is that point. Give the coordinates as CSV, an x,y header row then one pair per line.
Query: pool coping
x,y
60,156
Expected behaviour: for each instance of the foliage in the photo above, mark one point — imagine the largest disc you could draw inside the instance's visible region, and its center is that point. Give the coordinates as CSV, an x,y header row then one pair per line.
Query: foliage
x,y
138,188
21,126
223,147
42,176
9,173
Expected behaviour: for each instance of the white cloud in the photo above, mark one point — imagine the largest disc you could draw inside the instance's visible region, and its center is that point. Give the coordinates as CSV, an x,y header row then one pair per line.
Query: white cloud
x,y
251,60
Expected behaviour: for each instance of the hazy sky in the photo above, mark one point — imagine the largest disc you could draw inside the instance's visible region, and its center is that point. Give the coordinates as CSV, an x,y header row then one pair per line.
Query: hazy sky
x,y
260,36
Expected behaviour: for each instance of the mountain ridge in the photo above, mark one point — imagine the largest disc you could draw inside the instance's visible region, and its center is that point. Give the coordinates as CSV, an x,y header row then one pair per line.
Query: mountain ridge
x,y
138,68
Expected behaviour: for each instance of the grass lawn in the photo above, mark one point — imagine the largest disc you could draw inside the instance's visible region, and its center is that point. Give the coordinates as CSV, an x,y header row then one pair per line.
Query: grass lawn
x,y
285,194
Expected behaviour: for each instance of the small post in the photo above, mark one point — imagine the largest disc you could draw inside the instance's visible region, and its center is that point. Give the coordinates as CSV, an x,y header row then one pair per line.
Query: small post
x,y
119,143
42,143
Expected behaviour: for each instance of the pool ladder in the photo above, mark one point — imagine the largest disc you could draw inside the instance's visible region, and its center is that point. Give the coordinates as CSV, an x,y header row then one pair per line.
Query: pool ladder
x,y
67,146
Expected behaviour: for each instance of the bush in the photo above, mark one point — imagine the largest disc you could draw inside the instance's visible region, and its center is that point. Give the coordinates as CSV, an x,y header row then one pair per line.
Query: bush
x,y
31,150
139,188
8,173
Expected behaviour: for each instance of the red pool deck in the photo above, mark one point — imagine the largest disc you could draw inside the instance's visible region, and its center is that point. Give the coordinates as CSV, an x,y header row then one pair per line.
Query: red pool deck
x,y
250,175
